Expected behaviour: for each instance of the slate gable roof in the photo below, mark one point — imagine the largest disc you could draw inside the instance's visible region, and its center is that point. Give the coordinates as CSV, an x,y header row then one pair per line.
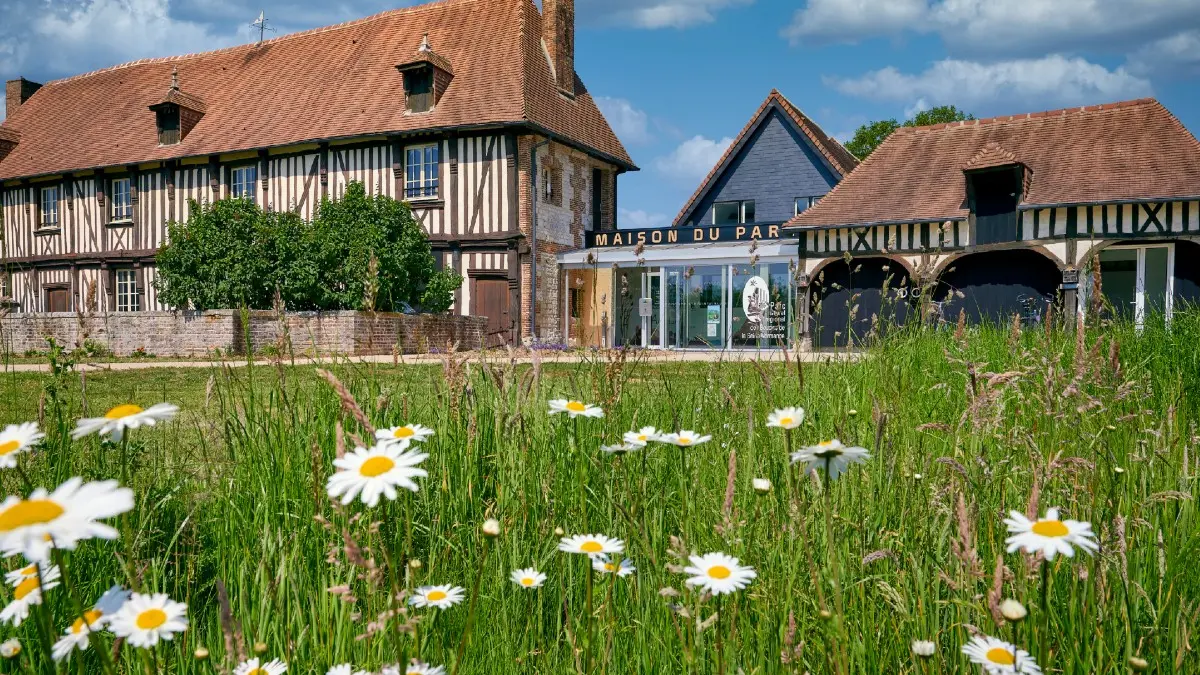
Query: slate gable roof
x,y
1128,151
839,158
328,83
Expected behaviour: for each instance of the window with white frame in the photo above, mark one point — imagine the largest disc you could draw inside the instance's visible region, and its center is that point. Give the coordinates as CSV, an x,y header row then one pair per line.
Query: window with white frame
x,y
805,203
122,205
127,295
4,292
733,213
421,172
49,203
241,182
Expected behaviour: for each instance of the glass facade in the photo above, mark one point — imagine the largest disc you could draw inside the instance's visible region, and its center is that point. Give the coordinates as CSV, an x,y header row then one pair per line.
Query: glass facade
x,y
704,307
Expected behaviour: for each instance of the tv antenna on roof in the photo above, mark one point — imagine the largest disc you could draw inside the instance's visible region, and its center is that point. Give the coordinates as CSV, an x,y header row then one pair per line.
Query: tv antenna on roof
x,y
261,24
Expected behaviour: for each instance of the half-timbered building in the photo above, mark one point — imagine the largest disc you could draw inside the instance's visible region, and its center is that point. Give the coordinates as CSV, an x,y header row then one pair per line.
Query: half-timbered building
x,y
1009,216
721,276
469,109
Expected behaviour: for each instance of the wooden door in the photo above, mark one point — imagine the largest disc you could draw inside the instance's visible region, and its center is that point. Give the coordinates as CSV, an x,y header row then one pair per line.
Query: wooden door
x,y
57,300
490,298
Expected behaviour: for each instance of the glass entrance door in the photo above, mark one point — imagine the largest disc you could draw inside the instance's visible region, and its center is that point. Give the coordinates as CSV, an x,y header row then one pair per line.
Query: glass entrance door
x,y
1138,281
652,310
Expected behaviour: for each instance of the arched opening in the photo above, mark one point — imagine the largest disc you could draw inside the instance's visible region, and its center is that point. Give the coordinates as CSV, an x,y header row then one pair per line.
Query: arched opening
x,y
995,285
860,300
1187,275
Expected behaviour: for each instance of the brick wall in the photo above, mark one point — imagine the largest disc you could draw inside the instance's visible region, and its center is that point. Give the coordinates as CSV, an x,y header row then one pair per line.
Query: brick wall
x,y
200,333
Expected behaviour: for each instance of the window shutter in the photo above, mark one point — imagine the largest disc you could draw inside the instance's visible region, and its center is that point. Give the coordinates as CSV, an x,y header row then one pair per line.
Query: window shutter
x,y
35,197
135,214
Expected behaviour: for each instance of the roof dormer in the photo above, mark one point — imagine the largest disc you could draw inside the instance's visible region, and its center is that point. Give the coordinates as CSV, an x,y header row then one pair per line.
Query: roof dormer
x,y
8,141
426,76
177,113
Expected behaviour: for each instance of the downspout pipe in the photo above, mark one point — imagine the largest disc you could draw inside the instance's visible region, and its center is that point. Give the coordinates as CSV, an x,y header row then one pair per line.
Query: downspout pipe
x,y
533,195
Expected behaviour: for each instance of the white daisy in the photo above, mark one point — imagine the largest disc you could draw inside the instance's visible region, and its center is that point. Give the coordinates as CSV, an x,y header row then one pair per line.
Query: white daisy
x,y
442,597
718,573
619,449
128,416
642,436
605,565
345,669
1049,536
528,578
253,667
76,635
27,593
376,471
923,648
831,455
10,648
15,439
761,485
409,432
64,517
415,668
786,418
591,544
17,576
146,619
999,657
574,408
684,438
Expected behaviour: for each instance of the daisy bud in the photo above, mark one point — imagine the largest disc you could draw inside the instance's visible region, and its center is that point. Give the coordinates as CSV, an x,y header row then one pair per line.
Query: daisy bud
x,y
1013,610
491,527
260,648
917,476
761,485
852,412
1110,427
559,532
1118,471
923,648
825,614
201,654
10,648
414,564
1138,663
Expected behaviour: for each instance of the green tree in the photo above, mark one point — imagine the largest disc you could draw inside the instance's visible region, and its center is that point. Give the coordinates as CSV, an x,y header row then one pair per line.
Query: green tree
x,y
357,229
871,135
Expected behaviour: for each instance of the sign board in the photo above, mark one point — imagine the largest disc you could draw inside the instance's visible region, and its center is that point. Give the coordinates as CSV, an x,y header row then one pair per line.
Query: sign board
x,y
662,236
645,307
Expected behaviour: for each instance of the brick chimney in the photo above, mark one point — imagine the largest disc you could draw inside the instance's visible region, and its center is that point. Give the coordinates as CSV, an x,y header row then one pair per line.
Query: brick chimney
x,y
17,92
558,32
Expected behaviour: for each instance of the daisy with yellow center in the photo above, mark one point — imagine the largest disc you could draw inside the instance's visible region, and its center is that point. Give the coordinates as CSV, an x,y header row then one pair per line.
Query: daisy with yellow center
x,y
605,565
10,648
574,408
718,574
999,657
528,578
786,418
619,449
684,439
415,668
76,635
16,439
830,456
1050,535
376,471
591,545
253,667
27,593
128,416
412,433
63,517
345,669
146,619
641,437
441,597
17,576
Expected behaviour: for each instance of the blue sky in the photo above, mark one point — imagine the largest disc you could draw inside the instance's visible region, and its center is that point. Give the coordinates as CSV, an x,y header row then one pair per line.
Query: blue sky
x,y
679,78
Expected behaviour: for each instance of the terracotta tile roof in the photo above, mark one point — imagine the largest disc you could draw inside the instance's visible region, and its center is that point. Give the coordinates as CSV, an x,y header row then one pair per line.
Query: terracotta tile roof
x,y
9,135
838,157
334,82
425,54
183,100
1132,150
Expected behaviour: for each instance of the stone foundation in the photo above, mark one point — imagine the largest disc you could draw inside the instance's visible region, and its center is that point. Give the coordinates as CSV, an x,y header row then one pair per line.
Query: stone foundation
x,y
228,331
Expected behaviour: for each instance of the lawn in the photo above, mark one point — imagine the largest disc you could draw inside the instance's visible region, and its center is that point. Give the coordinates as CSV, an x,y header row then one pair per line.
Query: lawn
x,y
232,515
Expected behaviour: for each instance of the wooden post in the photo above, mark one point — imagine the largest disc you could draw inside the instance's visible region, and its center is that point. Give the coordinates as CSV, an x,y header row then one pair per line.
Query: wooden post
x,y
1070,288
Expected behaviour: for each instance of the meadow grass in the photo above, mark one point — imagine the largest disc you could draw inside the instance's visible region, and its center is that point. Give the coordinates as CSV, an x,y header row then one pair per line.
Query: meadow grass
x,y
963,427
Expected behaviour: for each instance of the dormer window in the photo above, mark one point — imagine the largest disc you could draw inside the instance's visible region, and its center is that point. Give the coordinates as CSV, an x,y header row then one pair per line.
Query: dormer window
x,y
995,182
176,113
426,78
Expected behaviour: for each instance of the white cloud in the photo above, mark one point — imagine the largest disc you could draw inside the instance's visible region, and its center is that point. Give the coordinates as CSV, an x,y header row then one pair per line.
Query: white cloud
x,y
921,105
654,13
997,26
1177,55
1050,81
639,219
631,125
693,159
